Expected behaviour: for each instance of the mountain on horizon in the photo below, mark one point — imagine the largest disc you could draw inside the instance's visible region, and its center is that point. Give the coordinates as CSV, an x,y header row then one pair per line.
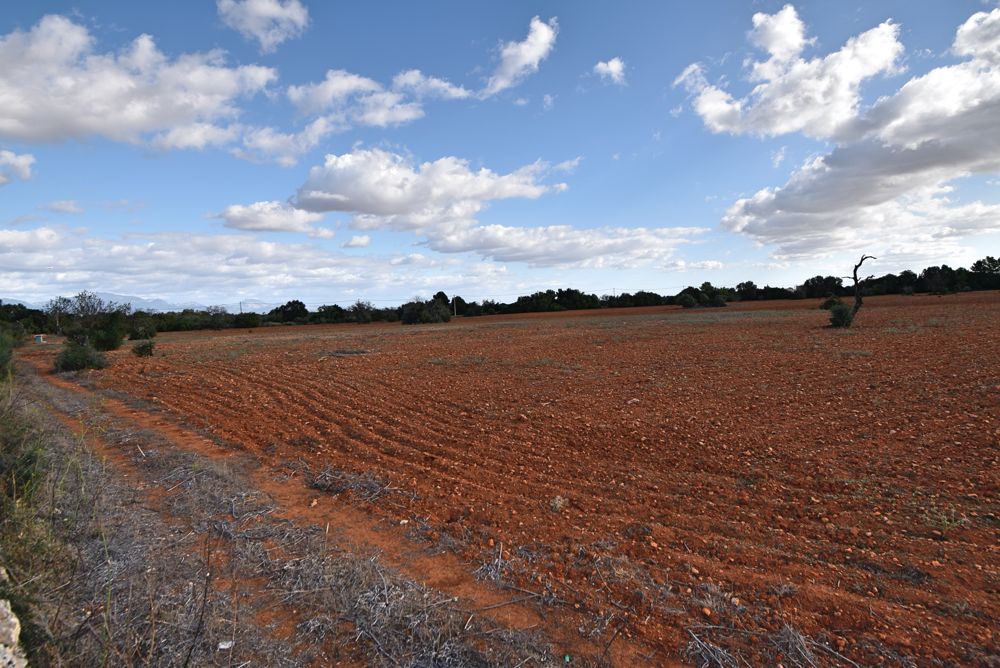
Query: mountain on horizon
x,y
157,305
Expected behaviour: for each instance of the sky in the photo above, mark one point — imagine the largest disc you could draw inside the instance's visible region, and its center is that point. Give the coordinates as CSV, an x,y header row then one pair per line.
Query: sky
x,y
214,152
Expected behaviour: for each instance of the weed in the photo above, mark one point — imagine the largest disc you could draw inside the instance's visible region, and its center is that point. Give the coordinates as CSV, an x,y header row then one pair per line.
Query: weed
x,y
945,519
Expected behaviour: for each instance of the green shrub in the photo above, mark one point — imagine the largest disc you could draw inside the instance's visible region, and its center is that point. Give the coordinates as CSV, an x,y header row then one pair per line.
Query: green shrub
x,y
108,338
830,302
717,300
6,353
143,348
841,315
687,301
421,312
76,356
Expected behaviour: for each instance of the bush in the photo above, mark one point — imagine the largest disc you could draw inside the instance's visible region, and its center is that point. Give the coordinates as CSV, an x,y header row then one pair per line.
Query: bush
x,y
143,348
108,338
830,302
76,356
717,300
841,315
423,312
6,353
687,301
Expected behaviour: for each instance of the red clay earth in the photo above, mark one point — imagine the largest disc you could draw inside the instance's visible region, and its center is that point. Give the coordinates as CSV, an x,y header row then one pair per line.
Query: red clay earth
x,y
665,470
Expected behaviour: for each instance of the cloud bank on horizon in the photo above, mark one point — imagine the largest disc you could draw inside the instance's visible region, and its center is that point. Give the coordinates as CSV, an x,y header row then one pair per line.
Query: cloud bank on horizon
x,y
499,206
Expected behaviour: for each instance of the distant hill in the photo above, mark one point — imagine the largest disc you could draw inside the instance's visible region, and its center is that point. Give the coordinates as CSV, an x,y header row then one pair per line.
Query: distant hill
x,y
160,305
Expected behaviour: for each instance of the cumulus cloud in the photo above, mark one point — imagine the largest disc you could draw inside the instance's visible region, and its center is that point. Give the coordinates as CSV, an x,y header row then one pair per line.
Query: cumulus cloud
x,y
197,136
332,92
358,241
273,217
887,184
421,85
701,265
340,101
792,94
270,22
440,200
64,206
564,245
520,59
286,148
385,189
47,261
611,70
54,86
15,165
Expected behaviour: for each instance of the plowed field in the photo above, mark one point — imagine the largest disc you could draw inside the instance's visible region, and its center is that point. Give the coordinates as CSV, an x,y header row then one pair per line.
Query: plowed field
x,y
719,472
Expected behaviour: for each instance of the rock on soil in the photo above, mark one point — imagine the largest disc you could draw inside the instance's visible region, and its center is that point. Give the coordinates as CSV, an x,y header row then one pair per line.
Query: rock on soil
x,y
10,633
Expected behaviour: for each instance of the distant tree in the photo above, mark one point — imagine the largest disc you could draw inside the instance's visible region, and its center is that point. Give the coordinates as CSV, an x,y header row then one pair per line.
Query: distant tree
x,y
361,311
218,317
423,312
440,296
460,306
986,274
248,320
57,310
330,313
292,311
687,300
92,321
988,265
820,286
747,290
141,326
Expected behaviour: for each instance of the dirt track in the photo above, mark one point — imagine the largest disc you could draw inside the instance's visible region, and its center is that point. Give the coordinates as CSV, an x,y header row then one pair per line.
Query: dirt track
x,y
723,471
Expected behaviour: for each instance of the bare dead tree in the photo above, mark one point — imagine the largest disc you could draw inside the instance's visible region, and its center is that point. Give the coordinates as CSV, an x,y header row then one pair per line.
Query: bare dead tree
x,y
859,283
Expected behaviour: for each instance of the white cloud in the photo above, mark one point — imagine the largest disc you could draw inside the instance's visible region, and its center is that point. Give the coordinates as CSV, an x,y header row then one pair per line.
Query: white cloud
x,y
564,245
887,185
440,201
270,22
816,97
53,86
64,206
778,157
283,147
332,93
47,261
701,265
197,136
611,70
421,85
385,189
338,102
358,241
273,217
782,35
520,59
548,101
15,165
568,165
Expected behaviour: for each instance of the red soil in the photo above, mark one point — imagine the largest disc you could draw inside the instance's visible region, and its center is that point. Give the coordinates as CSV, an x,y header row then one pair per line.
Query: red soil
x,y
748,448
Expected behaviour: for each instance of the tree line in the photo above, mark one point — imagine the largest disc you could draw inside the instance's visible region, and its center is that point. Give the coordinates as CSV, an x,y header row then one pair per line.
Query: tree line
x,y
105,325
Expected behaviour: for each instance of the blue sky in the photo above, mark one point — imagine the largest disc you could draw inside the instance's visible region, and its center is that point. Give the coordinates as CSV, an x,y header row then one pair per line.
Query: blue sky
x,y
278,149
